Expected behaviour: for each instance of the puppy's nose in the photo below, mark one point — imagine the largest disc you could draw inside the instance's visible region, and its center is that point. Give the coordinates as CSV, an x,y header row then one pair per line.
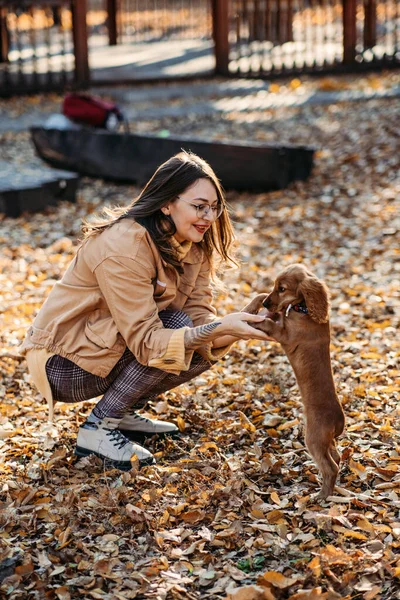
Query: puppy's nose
x,y
267,302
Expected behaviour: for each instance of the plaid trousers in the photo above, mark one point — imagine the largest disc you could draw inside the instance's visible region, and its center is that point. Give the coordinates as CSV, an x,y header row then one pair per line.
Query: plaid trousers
x,y
128,385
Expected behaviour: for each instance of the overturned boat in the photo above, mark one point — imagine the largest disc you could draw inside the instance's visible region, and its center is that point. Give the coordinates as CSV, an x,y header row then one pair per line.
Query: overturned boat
x,y
133,158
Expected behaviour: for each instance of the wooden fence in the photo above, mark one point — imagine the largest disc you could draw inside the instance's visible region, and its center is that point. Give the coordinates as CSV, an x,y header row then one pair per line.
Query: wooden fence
x,y
55,45
268,37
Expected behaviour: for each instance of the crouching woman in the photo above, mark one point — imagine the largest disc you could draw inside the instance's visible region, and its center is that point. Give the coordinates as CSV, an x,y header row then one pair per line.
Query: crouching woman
x,y
132,317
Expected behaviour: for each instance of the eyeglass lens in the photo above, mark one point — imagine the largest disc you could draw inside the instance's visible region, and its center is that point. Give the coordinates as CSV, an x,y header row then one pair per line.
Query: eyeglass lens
x,y
216,211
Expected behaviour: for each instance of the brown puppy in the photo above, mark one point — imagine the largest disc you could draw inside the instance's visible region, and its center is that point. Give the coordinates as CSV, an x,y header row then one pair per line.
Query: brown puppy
x,y
300,323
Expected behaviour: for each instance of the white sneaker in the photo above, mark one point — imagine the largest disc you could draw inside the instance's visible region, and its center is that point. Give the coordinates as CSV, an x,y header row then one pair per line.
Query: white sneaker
x,y
105,440
138,428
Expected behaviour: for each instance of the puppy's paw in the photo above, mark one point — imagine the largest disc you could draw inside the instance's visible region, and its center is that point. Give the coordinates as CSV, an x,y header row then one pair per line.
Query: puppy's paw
x,y
254,306
321,497
271,328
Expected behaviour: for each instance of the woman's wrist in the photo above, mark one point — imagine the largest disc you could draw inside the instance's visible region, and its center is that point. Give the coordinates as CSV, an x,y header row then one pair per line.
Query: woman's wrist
x,y
196,337
224,340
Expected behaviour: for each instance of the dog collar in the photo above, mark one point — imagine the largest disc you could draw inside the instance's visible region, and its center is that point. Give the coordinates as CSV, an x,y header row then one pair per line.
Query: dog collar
x,y
301,308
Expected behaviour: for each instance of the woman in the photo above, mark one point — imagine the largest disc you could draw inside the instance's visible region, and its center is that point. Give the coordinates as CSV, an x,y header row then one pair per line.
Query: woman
x,y
132,317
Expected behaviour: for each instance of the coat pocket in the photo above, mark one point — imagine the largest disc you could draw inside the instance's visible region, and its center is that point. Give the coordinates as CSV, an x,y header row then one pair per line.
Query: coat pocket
x,y
159,288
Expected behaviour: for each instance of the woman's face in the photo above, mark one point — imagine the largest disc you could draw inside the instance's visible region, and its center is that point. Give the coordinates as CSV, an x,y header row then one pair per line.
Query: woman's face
x,y
189,221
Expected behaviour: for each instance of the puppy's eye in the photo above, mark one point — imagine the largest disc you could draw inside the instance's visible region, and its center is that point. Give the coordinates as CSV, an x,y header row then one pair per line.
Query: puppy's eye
x,y
281,289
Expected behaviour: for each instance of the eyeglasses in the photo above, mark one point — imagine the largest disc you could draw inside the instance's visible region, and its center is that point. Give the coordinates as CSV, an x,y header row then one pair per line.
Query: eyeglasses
x,y
203,210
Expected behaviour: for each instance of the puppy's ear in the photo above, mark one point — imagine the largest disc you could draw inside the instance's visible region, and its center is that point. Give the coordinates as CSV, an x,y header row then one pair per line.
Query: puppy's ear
x,y
316,296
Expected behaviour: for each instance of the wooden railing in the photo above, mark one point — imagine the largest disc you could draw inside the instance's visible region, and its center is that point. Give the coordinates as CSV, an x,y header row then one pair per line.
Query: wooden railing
x,y
44,45
270,37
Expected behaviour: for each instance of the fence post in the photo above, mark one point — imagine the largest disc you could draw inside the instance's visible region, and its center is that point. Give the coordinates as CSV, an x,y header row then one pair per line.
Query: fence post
x,y
349,30
112,22
369,24
4,36
220,18
80,35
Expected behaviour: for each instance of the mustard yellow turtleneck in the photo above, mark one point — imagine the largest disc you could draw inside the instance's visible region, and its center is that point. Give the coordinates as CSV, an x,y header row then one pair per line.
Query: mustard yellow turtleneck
x,y
181,248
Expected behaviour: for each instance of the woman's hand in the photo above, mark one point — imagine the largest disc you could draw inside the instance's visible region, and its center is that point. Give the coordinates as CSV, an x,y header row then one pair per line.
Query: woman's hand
x,y
239,325
227,330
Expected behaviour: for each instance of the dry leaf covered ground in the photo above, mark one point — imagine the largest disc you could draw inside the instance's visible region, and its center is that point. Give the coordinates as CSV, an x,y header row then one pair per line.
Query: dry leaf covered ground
x,y
227,511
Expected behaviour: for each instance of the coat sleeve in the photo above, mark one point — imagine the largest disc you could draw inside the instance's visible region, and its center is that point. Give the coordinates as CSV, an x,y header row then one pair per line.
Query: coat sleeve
x,y
199,307
128,291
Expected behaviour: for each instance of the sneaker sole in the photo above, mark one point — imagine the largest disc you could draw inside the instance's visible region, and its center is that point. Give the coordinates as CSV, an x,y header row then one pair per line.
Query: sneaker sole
x,y
121,465
142,436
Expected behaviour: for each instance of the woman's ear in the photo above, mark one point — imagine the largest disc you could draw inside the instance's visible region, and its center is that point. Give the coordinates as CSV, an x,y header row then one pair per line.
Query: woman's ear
x,y
316,296
165,210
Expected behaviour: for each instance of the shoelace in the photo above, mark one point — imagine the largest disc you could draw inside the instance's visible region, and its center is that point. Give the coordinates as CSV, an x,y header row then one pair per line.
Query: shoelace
x,y
118,438
139,417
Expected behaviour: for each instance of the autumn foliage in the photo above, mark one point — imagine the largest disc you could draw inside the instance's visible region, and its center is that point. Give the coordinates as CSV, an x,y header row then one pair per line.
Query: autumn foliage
x,y
228,511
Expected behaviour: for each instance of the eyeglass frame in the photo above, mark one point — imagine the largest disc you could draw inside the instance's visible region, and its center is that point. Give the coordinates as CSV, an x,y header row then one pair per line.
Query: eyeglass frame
x,y
209,208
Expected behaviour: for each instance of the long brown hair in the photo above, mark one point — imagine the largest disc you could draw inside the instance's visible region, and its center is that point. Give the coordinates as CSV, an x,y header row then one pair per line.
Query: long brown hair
x,y
170,180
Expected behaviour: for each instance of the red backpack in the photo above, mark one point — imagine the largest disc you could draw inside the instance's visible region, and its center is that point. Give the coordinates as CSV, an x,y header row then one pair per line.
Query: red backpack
x,y
90,110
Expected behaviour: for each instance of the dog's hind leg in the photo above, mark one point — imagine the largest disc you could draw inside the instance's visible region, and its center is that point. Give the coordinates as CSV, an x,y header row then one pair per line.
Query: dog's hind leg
x,y
334,453
327,466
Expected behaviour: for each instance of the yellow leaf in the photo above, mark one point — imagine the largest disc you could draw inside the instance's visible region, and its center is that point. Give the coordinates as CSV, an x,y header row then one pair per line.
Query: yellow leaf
x,y
250,592
371,355
256,513
334,556
62,593
274,88
64,538
328,84
314,594
270,388
295,83
386,427
43,514
388,389
356,427
193,516
288,424
360,391
275,498
230,380
315,566
246,423
358,469
273,433
381,325
25,569
372,593
274,516
43,500
381,528
277,579
365,525
374,82
181,423
208,446
354,534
